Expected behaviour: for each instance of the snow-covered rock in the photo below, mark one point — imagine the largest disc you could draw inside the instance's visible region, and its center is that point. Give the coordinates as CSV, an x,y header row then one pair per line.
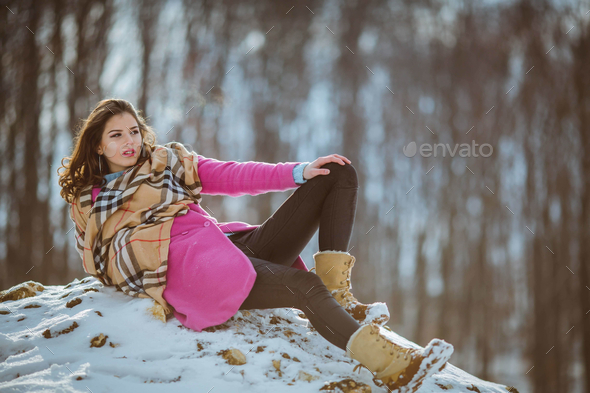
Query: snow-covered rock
x,y
87,337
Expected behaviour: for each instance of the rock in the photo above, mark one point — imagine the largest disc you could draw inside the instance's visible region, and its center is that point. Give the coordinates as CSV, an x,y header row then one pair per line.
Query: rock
x,y
98,341
346,386
47,332
306,377
74,302
233,356
277,366
21,291
212,329
158,311
274,320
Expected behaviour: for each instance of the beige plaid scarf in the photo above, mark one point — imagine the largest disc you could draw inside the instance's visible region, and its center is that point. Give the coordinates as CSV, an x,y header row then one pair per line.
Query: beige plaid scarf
x,y
124,242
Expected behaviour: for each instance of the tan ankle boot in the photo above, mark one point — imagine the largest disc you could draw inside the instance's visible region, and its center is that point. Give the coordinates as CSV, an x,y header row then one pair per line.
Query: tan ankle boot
x,y
334,268
397,367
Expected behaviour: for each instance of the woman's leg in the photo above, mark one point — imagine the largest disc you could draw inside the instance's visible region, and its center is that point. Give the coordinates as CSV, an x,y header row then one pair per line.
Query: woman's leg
x,y
279,286
328,201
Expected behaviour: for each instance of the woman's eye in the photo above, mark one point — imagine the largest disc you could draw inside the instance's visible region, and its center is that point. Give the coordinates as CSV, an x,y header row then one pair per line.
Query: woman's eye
x,y
118,134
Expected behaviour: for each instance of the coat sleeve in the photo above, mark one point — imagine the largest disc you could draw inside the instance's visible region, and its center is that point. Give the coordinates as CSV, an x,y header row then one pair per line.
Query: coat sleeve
x,y
244,178
79,219
231,177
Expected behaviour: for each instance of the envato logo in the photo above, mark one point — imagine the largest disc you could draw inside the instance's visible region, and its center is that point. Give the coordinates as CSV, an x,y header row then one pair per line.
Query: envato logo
x,y
465,150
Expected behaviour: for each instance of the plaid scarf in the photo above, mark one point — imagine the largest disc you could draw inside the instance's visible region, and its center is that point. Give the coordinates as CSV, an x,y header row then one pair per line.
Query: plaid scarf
x,y
127,233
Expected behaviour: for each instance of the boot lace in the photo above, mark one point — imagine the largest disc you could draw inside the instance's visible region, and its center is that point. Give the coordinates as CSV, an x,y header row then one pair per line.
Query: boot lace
x,y
347,296
359,368
345,293
395,349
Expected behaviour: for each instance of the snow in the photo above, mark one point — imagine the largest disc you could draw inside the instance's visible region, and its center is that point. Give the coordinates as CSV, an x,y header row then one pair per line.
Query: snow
x,y
141,353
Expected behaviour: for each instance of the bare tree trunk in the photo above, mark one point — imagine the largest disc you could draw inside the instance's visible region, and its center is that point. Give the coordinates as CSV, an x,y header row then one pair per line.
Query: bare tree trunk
x,y
148,17
23,244
350,74
483,293
54,268
582,89
422,319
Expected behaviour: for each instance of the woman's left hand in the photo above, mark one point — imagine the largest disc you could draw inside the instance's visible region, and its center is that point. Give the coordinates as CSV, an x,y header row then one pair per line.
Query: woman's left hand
x,y
313,169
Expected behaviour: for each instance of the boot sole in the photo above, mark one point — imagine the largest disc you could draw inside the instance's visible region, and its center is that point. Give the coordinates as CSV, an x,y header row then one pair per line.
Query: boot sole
x,y
437,353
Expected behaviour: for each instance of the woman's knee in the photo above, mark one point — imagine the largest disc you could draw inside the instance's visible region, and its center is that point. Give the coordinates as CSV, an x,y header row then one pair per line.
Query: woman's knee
x,y
345,174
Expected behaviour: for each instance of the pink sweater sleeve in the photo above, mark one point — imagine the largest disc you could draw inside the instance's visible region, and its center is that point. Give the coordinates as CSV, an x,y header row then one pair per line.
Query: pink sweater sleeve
x,y
240,178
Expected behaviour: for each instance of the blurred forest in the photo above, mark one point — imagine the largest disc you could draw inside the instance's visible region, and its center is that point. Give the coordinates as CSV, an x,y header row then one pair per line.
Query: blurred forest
x,y
489,253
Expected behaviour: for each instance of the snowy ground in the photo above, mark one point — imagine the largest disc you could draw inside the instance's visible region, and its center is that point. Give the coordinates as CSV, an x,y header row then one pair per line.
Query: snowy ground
x,y
45,346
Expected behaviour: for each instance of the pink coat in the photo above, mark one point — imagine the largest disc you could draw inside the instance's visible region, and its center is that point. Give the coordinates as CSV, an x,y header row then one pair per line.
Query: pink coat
x,y
208,277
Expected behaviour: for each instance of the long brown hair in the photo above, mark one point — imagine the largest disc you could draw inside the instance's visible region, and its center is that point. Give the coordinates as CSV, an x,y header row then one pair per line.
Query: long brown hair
x,y
82,168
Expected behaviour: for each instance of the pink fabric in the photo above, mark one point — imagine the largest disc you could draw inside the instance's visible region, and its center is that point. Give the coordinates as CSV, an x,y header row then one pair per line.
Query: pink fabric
x,y
208,277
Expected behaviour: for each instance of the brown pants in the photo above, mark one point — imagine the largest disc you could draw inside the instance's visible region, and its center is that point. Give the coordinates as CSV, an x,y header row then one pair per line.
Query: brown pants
x,y
327,202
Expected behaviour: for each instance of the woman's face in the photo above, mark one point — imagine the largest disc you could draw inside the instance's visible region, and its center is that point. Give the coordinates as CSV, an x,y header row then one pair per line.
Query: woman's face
x,y
121,133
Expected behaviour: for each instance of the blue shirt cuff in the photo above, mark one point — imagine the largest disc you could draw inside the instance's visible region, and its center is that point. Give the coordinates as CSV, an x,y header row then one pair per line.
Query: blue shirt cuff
x,y
298,173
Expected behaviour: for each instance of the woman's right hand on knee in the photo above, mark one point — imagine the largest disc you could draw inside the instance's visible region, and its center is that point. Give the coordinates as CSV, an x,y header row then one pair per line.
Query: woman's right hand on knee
x,y
313,169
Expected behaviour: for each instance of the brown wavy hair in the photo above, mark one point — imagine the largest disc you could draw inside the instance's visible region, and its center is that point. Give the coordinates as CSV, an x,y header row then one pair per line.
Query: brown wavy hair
x,y
82,167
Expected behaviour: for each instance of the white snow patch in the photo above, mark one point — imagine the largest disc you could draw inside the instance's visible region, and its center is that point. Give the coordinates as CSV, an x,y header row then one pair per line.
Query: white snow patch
x,y
143,354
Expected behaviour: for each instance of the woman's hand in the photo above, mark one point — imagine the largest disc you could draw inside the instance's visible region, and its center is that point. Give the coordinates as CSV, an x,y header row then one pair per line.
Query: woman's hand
x,y
313,169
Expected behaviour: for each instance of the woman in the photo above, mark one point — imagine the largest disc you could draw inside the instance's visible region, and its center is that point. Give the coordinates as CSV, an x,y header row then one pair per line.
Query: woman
x,y
140,227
